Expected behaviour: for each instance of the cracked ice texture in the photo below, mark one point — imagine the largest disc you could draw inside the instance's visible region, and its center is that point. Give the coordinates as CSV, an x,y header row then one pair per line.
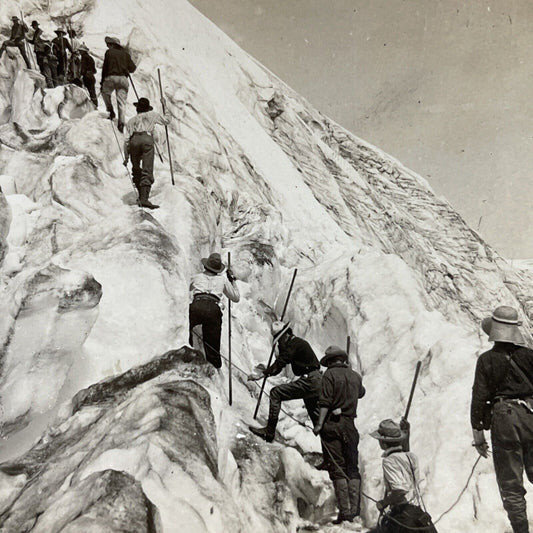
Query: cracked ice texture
x,y
260,173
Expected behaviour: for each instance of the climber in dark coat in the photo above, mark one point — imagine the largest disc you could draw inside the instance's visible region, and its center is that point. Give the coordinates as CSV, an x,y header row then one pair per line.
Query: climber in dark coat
x,y
117,66
502,401
50,63
341,389
60,45
17,39
298,353
87,72
139,146
38,44
207,289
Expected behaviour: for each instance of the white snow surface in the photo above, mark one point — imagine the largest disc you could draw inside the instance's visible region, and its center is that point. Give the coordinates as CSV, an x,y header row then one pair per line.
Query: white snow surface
x,y
379,258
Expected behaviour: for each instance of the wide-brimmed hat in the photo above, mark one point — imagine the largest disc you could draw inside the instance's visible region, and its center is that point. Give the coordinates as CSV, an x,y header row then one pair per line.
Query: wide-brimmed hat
x,y
143,105
503,326
83,48
213,263
333,353
14,17
111,40
60,31
389,431
279,329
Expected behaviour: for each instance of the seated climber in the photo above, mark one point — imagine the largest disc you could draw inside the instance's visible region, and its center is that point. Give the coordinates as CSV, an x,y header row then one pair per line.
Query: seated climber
x,y
17,39
341,389
139,146
400,473
207,289
117,66
298,353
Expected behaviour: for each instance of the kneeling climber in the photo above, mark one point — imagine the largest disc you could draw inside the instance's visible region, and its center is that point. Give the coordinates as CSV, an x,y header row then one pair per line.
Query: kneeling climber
x,y
207,289
139,145
298,353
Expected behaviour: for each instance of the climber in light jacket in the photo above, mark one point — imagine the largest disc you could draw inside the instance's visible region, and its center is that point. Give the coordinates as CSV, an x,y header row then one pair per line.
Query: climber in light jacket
x,y
207,289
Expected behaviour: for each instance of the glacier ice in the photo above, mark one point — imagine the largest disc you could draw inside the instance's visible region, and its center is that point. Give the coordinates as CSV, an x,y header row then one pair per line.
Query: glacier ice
x,y
94,290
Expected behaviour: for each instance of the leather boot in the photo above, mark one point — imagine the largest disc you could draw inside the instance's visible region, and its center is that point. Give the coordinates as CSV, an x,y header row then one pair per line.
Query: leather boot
x,y
343,500
267,433
144,192
354,492
111,112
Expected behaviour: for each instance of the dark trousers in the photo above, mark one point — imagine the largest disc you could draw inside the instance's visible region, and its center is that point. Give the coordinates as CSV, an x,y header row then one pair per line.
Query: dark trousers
x,y
404,519
20,46
340,441
306,388
39,56
142,159
207,313
89,82
512,447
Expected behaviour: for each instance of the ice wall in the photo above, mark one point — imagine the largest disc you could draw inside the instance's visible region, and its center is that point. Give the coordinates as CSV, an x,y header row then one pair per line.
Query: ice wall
x,y
263,175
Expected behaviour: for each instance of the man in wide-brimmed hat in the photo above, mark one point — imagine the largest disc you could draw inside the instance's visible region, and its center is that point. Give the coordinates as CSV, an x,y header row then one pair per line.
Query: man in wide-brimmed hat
x,y
340,392
60,46
88,71
401,478
139,145
117,66
298,353
503,384
207,289
17,39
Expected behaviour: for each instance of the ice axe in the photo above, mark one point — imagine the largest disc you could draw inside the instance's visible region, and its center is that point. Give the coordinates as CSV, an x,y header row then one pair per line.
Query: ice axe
x,y
405,443
274,345
230,379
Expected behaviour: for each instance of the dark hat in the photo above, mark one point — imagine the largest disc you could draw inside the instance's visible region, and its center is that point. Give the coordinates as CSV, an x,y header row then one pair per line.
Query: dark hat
x,y
14,17
143,105
34,23
279,329
213,263
111,40
389,431
72,32
59,31
333,353
502,326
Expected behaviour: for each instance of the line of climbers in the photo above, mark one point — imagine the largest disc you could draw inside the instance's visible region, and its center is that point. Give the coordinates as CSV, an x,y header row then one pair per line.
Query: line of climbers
x,y
63,60
502,400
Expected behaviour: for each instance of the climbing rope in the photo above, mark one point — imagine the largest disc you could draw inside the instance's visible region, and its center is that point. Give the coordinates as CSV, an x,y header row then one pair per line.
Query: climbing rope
x,y
368,497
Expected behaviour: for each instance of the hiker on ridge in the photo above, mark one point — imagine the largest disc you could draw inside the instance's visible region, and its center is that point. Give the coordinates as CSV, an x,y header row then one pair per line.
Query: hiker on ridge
x,y
139,146
340,392
117,66
87,72
207,289
401,477
60,45
502,401
298,353
17,40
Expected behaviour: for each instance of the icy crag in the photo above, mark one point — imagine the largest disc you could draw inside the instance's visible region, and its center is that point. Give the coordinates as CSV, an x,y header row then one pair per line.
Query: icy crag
x,y
93,290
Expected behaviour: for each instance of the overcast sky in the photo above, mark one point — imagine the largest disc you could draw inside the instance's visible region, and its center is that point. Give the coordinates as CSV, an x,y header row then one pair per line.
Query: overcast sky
x,y
445,86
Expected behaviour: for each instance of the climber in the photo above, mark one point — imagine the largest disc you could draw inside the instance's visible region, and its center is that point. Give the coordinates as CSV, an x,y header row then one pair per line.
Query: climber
x,y
17,39
115,71
74,74
401,477
38,44
341,389
50,63
298,353
139,145
60,45
87,72
502,401
207,289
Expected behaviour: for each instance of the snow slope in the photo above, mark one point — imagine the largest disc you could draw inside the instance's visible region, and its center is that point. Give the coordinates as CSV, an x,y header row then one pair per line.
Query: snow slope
x,y
92,286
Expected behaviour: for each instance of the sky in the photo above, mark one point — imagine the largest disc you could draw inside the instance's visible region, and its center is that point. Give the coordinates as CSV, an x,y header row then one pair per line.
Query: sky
x,y
445,86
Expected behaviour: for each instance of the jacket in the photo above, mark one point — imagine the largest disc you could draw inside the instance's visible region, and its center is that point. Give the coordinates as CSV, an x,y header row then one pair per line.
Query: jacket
x,y
296,352
87,65
18,31
341,389
495,378
117,62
